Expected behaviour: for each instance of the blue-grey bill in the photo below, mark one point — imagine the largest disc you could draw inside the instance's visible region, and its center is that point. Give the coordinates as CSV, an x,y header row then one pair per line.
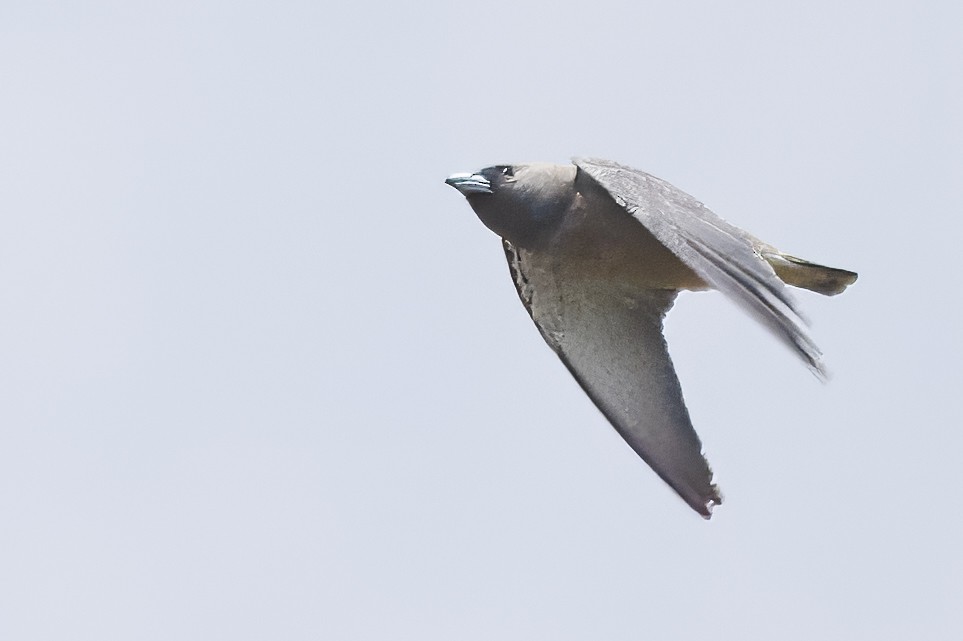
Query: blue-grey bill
x,y
468,183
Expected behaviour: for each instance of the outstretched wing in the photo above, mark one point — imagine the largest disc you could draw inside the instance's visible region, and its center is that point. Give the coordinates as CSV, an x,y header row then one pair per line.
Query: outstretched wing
x,y
718,252
610,338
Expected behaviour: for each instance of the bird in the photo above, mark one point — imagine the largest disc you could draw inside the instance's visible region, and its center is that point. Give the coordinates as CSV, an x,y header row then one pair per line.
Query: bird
x,y
598,252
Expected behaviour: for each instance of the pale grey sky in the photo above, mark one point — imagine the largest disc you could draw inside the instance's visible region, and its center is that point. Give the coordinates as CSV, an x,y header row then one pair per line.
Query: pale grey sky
x,y
263,375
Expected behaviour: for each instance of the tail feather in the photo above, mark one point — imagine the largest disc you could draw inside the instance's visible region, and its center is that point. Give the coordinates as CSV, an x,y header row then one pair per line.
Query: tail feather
x,y
797,272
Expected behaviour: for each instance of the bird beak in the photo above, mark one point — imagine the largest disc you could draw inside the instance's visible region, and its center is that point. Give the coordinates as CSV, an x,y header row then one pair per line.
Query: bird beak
x,y
469,183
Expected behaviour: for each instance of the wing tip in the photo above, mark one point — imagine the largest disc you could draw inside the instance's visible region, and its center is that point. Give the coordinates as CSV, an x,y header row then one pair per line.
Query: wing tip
x,y
807,350
705,506
820,371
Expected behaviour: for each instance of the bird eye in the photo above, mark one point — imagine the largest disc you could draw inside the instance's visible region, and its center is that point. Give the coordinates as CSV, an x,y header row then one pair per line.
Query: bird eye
x,y
507,172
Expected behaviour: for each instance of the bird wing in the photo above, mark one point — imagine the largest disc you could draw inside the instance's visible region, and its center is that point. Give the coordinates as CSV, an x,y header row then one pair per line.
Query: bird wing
x,y
610,338
720,253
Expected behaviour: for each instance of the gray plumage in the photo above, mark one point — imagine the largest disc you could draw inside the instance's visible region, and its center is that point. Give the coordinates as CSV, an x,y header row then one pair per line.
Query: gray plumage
x,y
598,252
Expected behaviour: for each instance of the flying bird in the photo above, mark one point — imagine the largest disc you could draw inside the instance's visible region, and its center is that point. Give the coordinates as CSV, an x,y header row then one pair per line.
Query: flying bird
x,y
598,252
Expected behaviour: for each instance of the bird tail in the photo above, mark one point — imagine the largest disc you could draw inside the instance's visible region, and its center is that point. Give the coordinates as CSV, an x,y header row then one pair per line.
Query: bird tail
x,y
797,272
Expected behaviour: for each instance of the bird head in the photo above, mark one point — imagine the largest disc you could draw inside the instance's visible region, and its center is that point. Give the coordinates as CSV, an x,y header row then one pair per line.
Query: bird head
x,y
523,204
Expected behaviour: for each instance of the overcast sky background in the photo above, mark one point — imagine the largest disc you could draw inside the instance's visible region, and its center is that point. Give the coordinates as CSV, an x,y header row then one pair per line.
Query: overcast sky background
x,y
264,375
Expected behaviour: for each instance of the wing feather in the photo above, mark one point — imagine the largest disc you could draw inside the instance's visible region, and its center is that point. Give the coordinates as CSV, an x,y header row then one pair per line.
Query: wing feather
x,y
611,341
720,253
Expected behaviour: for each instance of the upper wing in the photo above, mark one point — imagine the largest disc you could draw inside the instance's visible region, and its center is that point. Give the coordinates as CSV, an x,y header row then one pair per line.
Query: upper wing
x,y
718,252
610,338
